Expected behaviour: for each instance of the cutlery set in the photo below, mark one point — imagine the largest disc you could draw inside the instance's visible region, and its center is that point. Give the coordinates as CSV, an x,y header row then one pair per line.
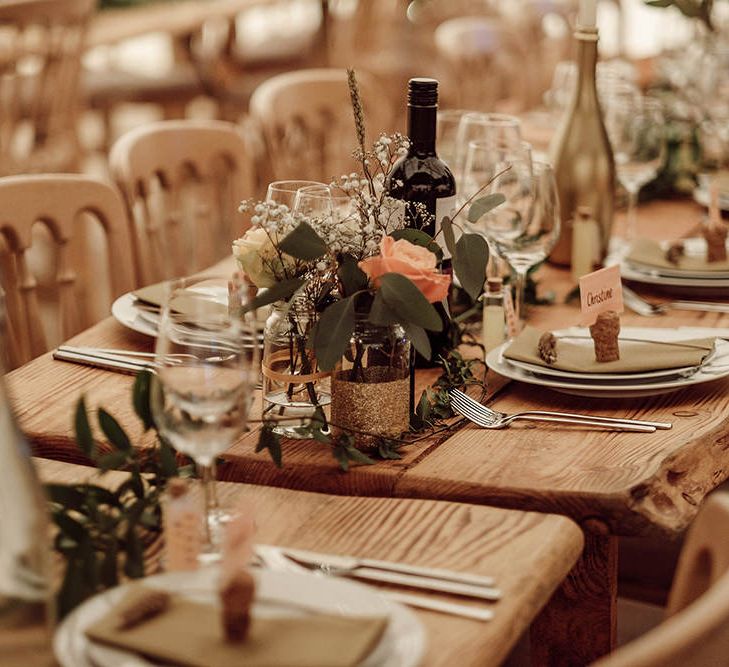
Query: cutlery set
x,y
432,580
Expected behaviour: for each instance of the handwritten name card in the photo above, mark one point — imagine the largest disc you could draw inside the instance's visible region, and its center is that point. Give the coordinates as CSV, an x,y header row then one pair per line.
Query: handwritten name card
x,y
600,291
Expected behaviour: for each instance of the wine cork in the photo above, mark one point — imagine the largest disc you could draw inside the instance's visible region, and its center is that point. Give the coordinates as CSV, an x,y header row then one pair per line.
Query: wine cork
x,y
675,252
236,597
547,348
605,335
715,236
182,521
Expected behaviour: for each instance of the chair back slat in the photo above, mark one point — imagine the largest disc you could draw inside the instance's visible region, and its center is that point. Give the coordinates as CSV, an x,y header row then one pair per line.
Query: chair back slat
x,y
182,182
67,303
307,121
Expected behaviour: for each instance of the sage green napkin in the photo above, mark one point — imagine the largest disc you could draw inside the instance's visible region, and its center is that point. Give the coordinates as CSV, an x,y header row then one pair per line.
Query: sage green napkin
x,y
190,633
193,305
578,356
650,253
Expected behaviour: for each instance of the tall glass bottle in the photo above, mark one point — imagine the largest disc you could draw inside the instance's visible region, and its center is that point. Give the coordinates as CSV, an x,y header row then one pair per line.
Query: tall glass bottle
x,y
25,592
582,156
421,177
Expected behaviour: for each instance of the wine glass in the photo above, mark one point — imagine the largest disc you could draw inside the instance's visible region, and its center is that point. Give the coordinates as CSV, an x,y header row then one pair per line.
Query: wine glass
x,y
538,237
284,192
207,367
448,121
637,134
496,128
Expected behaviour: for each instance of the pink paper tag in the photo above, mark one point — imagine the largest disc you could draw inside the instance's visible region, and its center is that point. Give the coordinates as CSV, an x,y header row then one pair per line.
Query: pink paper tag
x,y
600,291
512,325
238,540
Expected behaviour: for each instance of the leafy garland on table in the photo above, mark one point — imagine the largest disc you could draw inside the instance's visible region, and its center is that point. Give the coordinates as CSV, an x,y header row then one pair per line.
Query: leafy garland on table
x,y
339,269
102,531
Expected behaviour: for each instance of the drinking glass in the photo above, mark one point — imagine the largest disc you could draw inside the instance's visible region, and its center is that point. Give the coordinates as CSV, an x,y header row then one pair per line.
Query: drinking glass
x,y
538,237
637,134
496,128
447,133
284,192
207,368
321,202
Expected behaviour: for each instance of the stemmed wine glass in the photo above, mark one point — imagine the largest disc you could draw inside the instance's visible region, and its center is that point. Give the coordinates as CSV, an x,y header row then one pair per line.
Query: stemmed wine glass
x,y
448,122
636,129
207,368
537,238
284,192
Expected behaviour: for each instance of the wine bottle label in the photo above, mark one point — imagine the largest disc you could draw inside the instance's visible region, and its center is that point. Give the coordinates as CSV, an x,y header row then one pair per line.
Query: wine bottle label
x,y
444,206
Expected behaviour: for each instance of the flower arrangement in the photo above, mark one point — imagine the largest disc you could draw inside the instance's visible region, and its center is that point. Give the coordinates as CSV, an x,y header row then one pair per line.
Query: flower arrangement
x,y
360,260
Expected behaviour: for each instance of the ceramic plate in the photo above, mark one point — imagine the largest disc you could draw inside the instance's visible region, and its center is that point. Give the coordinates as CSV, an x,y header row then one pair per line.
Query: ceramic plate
x,y
714,369
694,247
278,593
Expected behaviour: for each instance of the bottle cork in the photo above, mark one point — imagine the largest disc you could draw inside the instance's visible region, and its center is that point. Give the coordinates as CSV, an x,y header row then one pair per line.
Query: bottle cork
x,y
605,333
236,598
715,236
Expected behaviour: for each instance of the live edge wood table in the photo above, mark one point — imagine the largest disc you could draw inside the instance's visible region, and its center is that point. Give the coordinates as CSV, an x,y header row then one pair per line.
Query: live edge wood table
x,y
613,484
528,553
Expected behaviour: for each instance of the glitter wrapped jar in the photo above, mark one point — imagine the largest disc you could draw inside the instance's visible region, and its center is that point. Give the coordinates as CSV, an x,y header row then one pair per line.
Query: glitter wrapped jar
x,y
293,385
371,384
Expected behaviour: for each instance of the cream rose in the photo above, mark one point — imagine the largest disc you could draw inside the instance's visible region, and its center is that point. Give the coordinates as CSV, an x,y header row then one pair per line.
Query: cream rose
x,y
257,257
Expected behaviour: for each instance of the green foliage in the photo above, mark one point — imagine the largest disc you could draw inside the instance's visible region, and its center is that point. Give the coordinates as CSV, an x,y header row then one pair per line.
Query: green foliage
x,y
278,292
351,277
469,263
483,205
102,531
303,243
403,298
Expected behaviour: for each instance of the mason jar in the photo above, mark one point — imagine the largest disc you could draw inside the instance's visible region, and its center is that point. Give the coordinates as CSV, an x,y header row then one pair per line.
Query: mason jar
x,y
293,385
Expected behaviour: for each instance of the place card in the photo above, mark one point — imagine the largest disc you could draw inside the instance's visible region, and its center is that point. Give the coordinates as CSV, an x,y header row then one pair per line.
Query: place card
x,y
600,291
512,324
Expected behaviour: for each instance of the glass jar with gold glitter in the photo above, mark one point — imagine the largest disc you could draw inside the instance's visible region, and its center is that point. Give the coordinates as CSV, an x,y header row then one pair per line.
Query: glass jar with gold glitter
x,y
371,383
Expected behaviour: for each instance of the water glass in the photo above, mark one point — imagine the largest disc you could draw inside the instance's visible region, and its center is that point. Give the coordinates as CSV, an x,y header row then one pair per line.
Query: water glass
x,y
207,369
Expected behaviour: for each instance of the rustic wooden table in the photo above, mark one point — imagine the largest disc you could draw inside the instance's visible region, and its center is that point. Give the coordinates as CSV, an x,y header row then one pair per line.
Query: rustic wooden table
x,y
528,553
611,483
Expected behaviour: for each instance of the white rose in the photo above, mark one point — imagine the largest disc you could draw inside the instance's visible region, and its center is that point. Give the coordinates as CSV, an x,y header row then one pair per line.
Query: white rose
x,y
258,258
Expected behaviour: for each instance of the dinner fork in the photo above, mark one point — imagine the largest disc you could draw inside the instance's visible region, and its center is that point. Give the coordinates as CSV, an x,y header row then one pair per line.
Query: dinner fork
x,y
492,419
643,307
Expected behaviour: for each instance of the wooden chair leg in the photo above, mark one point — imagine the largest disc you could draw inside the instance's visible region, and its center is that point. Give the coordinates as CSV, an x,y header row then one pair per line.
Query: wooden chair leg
x,y
580,622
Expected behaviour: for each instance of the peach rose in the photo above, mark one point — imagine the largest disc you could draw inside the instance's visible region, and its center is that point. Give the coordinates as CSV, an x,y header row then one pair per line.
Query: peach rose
x,y
412,261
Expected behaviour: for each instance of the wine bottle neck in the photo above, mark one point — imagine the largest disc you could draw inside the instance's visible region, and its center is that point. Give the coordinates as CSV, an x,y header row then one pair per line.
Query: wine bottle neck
x,y
421,129
586,93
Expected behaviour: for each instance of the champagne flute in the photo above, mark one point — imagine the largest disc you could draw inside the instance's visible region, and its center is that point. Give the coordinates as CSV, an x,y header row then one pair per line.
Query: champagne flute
x,y
540,234
637,134
207,367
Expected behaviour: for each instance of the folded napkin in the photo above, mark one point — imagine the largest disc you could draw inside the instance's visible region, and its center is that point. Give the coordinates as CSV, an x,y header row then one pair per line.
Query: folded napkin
x,y
190,633
645,251
578,356
197,302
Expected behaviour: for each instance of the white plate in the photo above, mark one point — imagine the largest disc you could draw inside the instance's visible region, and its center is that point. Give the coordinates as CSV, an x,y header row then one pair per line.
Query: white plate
x,y
703,196
716,368
278,593
693,247
126,312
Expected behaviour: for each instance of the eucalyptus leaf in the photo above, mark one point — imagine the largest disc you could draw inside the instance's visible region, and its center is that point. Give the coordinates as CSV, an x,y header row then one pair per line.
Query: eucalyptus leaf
x,y
408,302
280,291
140,398
303,243
333,332
419,339
167,460
483,205
420,238
469,263
134,561
380,313
353,279
69,496
271,441
114,432
446,226
84,437
112,461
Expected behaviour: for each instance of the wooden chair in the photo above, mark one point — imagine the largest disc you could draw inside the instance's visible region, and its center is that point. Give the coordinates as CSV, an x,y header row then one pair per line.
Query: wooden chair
x,y
485,61
58,202
182,182
41,42
306,119
696,630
